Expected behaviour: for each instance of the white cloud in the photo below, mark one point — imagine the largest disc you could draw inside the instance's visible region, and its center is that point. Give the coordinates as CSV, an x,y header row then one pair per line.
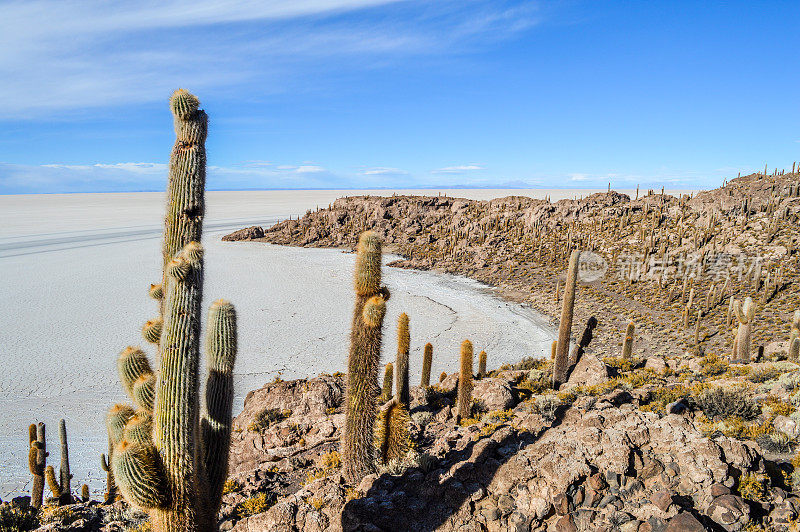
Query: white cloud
x,y
458,169
384,170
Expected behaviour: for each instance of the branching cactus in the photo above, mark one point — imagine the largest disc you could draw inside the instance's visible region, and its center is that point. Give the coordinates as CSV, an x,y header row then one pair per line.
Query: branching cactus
x,y
627,344
561,362
362,363
427,362
465,384
169,458
391,432
403,347
37,457
745,313
388,382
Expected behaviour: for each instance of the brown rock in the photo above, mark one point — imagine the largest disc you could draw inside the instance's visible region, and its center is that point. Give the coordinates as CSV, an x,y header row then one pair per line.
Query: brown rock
x,y
684,522
730,512
589,371
662,499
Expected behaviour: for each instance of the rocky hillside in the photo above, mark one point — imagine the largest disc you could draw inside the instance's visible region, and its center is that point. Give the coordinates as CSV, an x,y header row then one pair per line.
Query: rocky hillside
x,y
643,451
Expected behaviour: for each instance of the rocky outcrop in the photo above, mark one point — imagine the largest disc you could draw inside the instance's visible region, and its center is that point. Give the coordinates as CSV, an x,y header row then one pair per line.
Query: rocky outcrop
x,y
601,463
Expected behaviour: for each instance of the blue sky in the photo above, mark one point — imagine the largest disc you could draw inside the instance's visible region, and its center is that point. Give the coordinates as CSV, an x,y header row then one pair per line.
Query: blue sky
x,y
393,93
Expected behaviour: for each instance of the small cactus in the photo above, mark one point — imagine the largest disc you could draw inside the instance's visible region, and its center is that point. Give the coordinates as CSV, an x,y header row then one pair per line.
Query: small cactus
x,y
464,399
85,493
442,376
745,313
388,381
427,361
403,347
481,364
561,362
627,344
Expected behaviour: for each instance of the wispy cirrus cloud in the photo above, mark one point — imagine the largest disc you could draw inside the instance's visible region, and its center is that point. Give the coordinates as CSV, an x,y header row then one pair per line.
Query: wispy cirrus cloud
x,y
61,55
384,170
458,169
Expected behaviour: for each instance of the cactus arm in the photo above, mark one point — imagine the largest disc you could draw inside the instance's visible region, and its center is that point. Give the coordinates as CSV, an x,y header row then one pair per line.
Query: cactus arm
x,y
151,330
139,477
216,420
144,392
52,483
740,315
388,379
116,419
132,364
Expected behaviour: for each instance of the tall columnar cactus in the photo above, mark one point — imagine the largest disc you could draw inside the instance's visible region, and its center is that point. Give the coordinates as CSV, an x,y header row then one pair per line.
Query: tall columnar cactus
x,y
391,431
561,362
427,362
64,477
481,364
388,382
464,398
37,457
168,457
627,344
105,465
362,363
403,347
745,313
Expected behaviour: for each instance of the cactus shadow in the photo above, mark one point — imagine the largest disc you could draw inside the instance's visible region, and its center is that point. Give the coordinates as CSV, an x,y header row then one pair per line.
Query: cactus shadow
x,y
422,502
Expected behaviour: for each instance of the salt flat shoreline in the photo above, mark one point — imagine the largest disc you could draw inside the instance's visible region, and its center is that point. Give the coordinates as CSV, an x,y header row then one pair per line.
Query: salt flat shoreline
x,y
76,297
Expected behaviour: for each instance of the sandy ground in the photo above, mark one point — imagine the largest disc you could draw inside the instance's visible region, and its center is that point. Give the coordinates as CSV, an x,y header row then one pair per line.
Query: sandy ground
x,y
74,270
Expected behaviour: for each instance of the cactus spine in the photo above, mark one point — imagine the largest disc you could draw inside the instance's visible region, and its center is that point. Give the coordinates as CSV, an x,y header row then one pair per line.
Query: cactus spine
x,y
388,378
561,362
427,361
37,456
745,312
481,364
363,360
168,457
464,399
403,347
627,344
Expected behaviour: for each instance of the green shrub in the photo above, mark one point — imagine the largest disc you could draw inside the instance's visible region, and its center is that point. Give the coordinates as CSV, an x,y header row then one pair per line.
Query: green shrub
x,y
267,417
721,402
764,374
16,519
